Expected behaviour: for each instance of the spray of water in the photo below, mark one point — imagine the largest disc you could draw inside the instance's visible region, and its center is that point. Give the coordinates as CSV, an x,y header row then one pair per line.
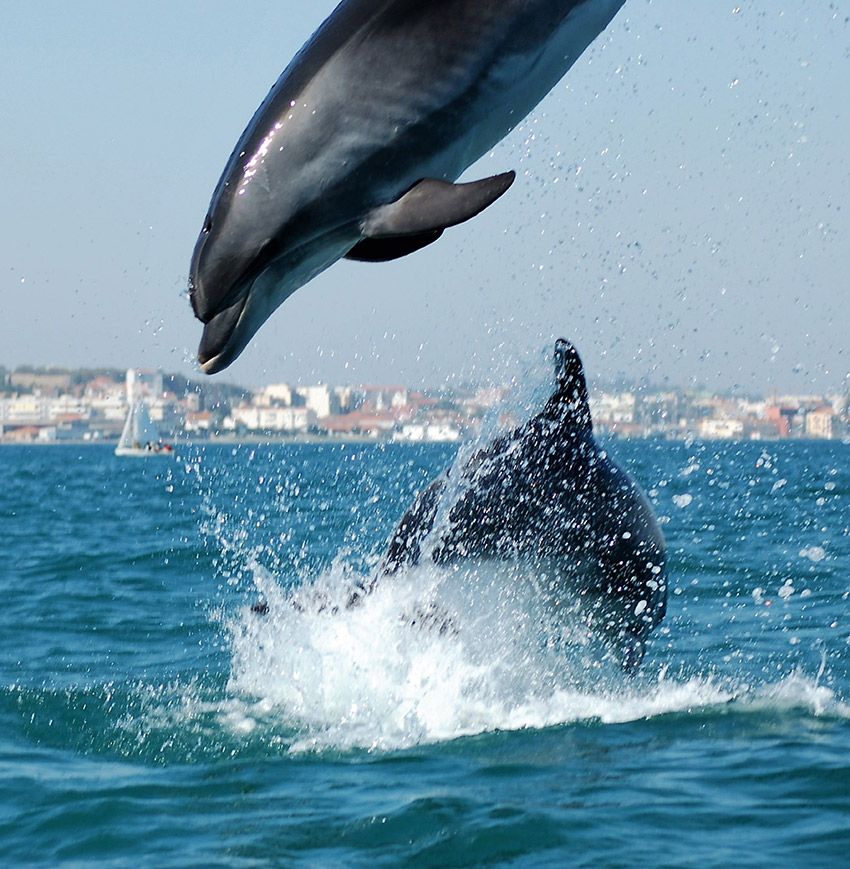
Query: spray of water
x,y
436,653
368,678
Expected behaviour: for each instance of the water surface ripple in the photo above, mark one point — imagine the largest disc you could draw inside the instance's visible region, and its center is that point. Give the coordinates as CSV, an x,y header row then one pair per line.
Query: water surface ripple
x,y
148,718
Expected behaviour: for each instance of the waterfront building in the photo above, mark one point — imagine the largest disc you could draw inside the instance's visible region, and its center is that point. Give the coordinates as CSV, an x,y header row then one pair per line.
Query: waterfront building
x,y
345,398
721,429
432,433
612,409
319,399
26,410
368,423
820,422
275,394
380,398
660,412
199,421
781,416
288,420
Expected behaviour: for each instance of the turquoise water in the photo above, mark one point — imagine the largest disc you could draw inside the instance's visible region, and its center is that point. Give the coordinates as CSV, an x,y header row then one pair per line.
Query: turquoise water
x,y
148,718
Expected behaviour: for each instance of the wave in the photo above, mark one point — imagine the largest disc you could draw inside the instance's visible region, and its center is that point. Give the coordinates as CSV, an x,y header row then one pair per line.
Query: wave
x,y
371,677
314,676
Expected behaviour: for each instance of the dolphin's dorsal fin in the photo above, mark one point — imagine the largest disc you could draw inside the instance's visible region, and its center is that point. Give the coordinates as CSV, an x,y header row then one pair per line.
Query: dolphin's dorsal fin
x,y
570,400
432,204
569,371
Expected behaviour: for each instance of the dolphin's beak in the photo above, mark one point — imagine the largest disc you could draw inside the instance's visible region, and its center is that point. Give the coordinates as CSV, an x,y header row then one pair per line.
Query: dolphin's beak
x,y
218,347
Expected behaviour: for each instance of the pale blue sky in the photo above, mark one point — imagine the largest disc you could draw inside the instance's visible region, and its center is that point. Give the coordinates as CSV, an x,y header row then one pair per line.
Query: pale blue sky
x,y
681,209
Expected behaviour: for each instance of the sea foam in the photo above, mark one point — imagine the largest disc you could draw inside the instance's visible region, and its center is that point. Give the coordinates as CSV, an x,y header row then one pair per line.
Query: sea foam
x,y
370,677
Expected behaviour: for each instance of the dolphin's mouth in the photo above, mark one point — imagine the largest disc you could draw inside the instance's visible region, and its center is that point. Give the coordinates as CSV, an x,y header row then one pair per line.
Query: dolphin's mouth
x,y
228,332
216,350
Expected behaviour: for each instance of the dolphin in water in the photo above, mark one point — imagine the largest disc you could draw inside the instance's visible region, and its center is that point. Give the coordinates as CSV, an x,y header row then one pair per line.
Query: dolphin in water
x,y
355,150
548,497
547,494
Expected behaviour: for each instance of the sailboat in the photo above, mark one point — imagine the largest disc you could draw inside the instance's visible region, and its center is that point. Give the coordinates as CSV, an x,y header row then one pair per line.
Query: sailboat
x,y
140,437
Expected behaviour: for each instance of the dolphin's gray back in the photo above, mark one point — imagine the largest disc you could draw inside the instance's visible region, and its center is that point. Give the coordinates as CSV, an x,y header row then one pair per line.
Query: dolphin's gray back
x,y
352,105
384,98
547,493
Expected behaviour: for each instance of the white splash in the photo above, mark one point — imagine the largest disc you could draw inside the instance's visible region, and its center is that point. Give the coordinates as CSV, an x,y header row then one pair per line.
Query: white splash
x,y
366,678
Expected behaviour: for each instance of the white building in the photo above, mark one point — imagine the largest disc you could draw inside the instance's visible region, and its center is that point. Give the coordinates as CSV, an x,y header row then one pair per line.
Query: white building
x,y
611,407
319,399
381,398
113,407
143,383
276,393
199,421
165,411
717,429
279,419
26,410
432,432
345,399
819,422
755,409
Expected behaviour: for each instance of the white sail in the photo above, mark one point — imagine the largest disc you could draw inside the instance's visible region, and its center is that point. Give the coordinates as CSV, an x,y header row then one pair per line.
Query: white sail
x,y
139,436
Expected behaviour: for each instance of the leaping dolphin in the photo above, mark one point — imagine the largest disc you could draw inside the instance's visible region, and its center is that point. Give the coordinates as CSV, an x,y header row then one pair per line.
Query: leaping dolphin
x,y
355,150
547,494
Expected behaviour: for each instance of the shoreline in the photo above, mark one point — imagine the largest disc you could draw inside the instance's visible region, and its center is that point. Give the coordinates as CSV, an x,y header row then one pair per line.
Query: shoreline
x,y
256,440
247,440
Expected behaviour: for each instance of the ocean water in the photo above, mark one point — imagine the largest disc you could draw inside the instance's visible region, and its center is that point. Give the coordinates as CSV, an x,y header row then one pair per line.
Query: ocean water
x,y
149,718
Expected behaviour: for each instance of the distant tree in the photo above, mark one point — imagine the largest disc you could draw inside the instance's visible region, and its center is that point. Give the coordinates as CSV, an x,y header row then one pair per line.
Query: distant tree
x,y
81,376
40,369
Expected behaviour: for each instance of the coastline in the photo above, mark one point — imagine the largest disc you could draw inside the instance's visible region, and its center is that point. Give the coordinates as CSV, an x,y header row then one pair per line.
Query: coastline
x,y
255,440
247,440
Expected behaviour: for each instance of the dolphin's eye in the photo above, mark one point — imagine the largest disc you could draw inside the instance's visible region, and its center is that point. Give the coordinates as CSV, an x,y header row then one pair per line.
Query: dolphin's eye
x,y
207,225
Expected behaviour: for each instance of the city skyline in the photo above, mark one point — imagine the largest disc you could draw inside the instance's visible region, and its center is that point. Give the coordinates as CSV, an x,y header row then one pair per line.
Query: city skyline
x,y
91,405
677,213
535,376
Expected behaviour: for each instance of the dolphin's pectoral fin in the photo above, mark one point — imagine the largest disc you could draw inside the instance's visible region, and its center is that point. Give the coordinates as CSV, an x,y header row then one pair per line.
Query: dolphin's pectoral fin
x,y
432,205
381,250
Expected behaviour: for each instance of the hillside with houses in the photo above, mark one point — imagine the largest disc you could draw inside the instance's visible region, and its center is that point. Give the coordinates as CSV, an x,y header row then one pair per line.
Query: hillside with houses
x,y
57,405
